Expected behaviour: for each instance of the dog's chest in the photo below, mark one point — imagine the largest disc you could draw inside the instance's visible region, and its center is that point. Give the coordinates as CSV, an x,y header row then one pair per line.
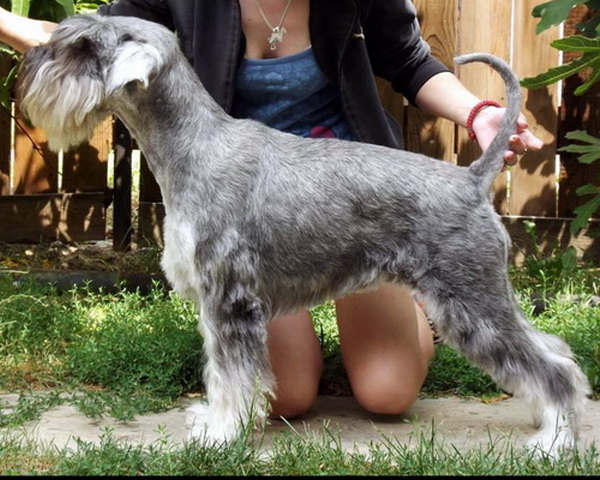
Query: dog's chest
x,y
178,259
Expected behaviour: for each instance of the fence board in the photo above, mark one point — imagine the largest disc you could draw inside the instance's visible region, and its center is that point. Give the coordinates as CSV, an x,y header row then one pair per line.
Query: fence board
x,y
533,180
425,133
151,217
5,136
85,168
34,172
483,26
50,217
552,235
450,27
149,189
150,209
4,152
122,228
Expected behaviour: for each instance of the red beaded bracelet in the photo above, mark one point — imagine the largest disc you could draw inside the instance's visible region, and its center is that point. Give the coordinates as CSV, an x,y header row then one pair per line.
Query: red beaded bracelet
x,y
475,111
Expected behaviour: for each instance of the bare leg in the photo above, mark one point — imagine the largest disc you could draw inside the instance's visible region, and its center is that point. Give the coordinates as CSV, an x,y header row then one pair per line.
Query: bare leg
x,y
297,363
387,345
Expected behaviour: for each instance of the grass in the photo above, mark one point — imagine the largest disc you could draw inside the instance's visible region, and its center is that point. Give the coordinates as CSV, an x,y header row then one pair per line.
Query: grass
x,y
289,455
126,354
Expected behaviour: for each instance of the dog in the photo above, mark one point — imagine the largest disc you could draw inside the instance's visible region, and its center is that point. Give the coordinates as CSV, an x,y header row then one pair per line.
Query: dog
x,y
261,223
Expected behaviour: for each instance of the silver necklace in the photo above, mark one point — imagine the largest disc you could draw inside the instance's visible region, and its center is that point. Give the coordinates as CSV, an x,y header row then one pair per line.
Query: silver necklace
x,y
278,31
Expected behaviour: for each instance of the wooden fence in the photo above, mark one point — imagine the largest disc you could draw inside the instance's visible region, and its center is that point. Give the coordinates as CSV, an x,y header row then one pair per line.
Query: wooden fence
x,y
47,197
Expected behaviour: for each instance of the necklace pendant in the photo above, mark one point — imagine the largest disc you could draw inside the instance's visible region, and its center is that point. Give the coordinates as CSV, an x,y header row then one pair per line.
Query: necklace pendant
x,y
276,36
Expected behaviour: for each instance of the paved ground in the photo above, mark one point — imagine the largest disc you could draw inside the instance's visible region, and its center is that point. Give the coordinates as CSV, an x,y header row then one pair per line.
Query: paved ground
x,y
462,422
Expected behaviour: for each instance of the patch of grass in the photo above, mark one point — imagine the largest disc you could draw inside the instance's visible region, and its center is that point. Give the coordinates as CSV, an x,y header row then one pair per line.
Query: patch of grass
x,y
147,345
290,454
28,407
127,354
131,353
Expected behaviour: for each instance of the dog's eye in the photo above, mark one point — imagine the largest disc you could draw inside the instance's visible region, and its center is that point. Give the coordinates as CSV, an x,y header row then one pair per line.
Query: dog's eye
x,y
126,37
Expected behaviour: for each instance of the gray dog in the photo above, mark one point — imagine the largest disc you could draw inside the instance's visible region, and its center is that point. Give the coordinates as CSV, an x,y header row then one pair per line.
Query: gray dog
x,y
261,223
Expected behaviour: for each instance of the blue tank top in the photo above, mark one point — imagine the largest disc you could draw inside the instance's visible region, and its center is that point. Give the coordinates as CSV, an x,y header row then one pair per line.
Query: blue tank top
x,y
290,94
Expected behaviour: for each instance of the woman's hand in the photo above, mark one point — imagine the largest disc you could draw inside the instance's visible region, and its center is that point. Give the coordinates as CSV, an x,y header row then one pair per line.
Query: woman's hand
x,y
22,33
486,125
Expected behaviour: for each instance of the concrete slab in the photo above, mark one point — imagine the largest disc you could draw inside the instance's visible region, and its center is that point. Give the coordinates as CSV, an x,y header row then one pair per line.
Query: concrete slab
x,y
465,423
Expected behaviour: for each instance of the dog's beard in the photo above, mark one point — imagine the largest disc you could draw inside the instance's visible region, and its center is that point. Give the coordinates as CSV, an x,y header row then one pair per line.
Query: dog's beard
x,y
66,107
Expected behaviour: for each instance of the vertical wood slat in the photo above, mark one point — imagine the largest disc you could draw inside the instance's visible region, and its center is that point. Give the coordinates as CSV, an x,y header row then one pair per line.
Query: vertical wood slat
x,y
150,209
5,134
149,189
483,26
576,113
425,133
34,172
85,168
393,102
533,179
4,152
123,146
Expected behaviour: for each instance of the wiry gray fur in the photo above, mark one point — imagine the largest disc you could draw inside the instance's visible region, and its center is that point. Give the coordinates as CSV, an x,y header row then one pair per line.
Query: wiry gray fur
x,y
261,223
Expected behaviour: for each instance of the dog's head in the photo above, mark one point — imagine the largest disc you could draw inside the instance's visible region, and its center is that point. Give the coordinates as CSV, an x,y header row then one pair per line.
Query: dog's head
x,y
66,85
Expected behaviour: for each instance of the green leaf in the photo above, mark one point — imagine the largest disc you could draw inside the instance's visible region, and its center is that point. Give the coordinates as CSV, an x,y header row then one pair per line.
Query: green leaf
x,y
88,7
6,50
568,259
584,212
21,7
67,6
577,43
590,27
553,12
6,87
582,136
54,10
561,72
592,79
588,189
590,153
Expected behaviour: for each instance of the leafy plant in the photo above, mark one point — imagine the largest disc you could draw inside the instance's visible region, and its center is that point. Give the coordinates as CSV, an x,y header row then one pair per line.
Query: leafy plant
x,y
590,152
587,43
548,270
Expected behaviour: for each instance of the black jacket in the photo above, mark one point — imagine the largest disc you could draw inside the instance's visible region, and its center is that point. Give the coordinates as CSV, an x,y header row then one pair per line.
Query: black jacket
x,y
352,41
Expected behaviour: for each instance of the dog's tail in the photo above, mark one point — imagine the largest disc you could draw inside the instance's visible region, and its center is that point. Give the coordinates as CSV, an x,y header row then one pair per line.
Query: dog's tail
x,y
489,165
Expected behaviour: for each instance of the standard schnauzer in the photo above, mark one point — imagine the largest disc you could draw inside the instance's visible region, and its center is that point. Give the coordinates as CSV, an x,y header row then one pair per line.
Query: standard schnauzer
x,y
260,223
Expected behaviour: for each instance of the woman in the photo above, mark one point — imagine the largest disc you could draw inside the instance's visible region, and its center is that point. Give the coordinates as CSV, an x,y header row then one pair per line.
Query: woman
x,y
308,67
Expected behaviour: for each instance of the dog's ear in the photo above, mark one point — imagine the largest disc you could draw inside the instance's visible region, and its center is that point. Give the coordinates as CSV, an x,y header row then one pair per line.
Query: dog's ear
x,y
133,61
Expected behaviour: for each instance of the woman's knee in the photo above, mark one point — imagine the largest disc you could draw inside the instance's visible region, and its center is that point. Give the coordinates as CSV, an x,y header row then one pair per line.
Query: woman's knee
x,y
297,364
389,398
294,402
294,397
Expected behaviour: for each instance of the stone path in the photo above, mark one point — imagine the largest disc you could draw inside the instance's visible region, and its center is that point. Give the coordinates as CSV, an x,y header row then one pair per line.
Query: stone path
x,y
462,422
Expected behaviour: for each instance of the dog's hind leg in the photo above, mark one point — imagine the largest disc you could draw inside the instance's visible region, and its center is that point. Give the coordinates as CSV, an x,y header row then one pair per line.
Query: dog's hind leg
x,y
475,311
237,374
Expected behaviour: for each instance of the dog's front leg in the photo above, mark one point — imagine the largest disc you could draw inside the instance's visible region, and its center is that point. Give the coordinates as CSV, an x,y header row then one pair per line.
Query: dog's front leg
x,y
237,373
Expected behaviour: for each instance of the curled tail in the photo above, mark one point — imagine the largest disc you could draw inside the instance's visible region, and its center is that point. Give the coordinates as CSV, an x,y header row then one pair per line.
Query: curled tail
x,y
489,165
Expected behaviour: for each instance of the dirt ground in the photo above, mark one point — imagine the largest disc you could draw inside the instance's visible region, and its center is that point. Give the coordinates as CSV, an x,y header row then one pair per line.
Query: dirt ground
x,y
90,256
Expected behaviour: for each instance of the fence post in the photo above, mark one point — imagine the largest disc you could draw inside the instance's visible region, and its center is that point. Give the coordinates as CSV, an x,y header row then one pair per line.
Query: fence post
x,y
122,187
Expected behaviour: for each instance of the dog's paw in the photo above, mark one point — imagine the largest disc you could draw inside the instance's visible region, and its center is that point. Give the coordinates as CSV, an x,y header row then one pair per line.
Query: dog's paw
x,y
207,426
197,421
551,443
